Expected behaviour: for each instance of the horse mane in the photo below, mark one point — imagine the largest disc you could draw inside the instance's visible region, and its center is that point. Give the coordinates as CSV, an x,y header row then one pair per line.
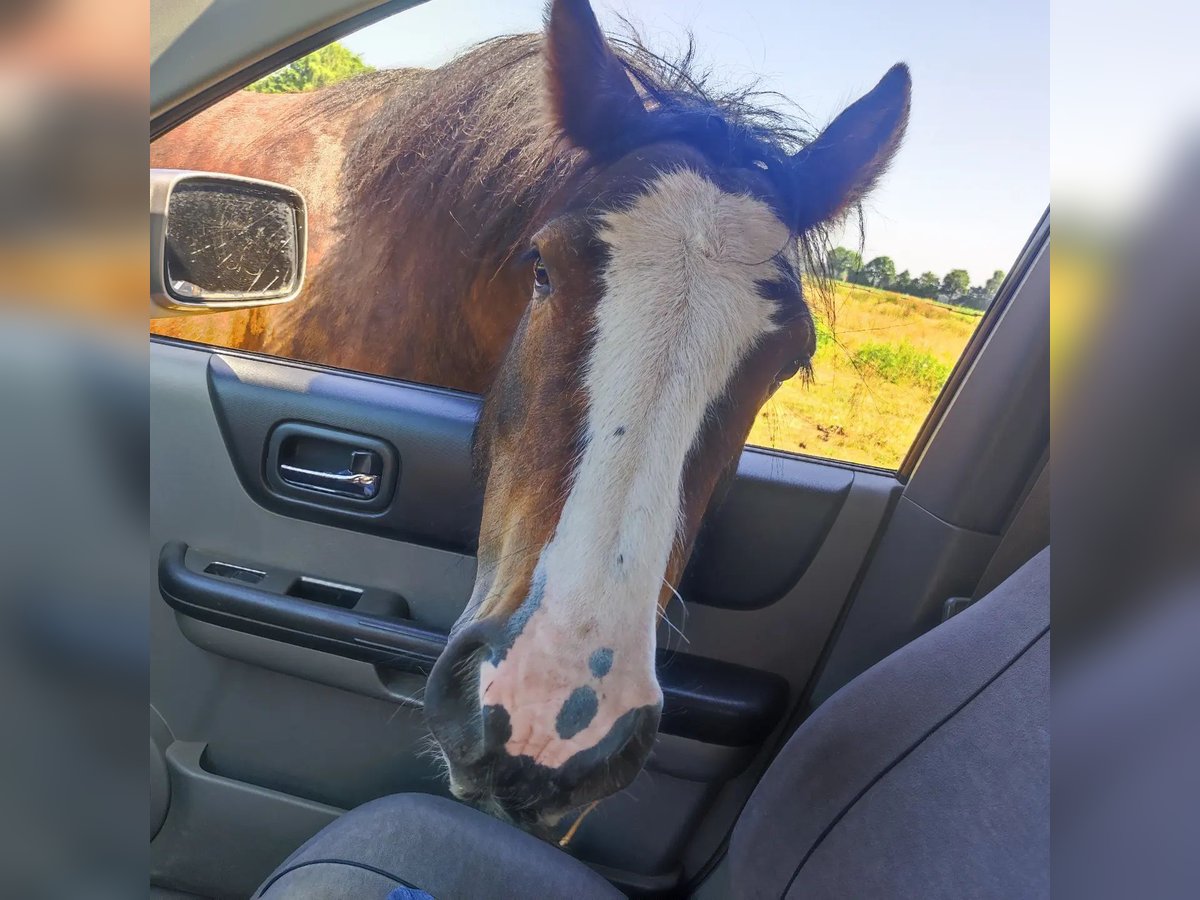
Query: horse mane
x,y
473,139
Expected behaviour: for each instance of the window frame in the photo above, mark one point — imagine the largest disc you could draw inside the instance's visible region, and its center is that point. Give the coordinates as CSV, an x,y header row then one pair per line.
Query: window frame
x,y
979,339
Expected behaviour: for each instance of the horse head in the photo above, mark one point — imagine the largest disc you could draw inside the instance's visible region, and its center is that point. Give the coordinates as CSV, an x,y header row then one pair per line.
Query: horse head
x,y
664,306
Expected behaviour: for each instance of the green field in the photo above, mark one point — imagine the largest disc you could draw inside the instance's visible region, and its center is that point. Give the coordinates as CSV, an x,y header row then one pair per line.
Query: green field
x,y
881,360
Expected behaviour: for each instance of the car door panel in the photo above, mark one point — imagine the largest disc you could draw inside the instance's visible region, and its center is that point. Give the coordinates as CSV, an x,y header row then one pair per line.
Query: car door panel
x,y
283,724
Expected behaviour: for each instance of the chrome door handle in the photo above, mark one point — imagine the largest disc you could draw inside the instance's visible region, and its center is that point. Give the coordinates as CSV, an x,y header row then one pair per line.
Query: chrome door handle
x,y
348,483
339,471
357,481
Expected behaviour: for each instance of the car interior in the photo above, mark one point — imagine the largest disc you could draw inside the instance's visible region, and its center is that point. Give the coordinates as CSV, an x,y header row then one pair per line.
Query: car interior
x,y
857,704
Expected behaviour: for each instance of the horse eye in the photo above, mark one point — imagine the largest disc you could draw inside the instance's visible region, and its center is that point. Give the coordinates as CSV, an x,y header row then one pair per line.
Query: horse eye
x,y
541,278
789,370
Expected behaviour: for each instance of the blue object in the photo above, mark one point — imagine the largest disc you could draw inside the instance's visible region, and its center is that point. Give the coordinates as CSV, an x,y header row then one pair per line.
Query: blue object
x,y
407,893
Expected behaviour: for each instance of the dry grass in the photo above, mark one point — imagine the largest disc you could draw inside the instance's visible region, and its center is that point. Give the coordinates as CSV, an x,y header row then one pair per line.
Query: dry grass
x,y
873,380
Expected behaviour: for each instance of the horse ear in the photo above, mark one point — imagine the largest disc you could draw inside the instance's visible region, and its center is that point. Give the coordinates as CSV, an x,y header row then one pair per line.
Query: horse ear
x,y
590,96
843,164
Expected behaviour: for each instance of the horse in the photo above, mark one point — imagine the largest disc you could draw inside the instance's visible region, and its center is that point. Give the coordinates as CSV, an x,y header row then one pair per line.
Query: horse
x,y
613,252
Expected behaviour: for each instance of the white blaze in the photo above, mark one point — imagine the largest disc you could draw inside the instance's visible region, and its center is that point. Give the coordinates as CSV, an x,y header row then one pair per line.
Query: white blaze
x,y
681,309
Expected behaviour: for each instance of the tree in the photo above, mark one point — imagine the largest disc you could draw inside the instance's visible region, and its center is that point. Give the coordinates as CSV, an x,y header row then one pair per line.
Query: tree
x,y
927,285
904,283
880,272
976,297
993,284
843,263
331,64
956,283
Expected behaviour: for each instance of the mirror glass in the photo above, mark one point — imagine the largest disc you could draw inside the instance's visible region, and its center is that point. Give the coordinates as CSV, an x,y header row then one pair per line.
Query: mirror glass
x,y
228,241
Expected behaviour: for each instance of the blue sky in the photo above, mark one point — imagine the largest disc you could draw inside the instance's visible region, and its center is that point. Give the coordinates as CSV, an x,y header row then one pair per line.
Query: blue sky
x,y
974,174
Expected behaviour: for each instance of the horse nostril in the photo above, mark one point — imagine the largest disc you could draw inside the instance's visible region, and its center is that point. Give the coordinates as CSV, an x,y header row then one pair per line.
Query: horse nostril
x,y
452,693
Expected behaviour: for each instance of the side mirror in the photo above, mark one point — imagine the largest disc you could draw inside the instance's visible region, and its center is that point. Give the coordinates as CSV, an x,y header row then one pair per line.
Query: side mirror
x,y
221,242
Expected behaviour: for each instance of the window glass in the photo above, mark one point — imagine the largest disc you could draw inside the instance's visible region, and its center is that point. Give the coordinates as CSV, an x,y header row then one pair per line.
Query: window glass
x,y
904,284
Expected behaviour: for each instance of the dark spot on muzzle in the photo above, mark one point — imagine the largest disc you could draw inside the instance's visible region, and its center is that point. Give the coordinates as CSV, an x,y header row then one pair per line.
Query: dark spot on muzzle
x,y
600,662
577,712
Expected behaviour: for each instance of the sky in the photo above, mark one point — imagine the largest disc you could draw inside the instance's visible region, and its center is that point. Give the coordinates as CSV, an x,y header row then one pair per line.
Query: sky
x,y
973,176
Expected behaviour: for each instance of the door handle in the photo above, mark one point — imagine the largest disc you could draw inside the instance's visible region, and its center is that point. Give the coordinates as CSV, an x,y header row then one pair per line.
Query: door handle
x,y
361,480
339,469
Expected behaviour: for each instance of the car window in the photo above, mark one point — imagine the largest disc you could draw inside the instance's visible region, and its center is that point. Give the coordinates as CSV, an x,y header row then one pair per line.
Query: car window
x,y
884,350
896,291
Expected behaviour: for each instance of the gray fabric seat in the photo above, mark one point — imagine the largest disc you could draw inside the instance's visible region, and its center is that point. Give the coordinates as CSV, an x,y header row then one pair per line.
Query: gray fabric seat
x,y
927,776
434,844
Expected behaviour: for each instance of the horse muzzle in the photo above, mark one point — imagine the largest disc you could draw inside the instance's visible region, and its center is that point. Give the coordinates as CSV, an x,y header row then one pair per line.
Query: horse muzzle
x,y
536,786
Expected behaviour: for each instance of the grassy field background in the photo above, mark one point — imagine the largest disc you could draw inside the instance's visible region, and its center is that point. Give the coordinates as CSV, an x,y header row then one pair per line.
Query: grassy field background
x,y
881,360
